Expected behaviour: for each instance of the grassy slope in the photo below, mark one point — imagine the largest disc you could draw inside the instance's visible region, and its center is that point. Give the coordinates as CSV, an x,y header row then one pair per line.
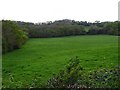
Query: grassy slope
x,y
46,56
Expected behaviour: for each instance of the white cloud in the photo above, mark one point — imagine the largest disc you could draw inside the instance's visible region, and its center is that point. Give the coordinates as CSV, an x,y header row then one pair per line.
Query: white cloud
x,y
50,10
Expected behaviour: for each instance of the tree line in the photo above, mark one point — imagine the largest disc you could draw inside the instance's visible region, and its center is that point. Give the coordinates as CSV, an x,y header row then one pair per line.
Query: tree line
x,y
15,33
69,27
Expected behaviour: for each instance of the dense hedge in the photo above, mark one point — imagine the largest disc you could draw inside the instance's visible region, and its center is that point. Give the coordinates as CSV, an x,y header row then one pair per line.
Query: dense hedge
x,y
12,36
57,31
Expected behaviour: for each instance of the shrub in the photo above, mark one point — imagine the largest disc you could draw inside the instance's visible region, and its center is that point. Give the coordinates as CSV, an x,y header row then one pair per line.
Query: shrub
x,y
12,36
74,76
66,78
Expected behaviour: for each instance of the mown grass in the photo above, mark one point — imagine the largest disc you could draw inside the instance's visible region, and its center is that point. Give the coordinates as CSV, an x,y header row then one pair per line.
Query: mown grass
x,y
44,57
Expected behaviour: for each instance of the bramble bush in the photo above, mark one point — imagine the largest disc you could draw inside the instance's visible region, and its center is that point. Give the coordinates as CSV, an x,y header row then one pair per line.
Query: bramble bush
x,y
74,76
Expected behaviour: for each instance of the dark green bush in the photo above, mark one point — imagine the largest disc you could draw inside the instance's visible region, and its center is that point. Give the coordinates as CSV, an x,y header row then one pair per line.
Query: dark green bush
x,y
12,36
67,78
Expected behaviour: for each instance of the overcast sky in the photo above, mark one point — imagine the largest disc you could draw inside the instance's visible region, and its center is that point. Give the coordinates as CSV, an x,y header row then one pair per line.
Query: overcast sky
x,y
51,10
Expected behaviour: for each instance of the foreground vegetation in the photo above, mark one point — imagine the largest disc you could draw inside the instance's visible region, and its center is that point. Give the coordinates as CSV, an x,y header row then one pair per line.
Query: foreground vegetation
x,y
74,76
40,59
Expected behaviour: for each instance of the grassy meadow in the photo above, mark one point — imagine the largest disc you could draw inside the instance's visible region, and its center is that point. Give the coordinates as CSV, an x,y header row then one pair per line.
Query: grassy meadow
x,y
44,57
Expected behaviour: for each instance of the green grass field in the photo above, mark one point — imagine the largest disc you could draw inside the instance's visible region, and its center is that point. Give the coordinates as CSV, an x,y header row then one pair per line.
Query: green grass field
x,y
44,57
